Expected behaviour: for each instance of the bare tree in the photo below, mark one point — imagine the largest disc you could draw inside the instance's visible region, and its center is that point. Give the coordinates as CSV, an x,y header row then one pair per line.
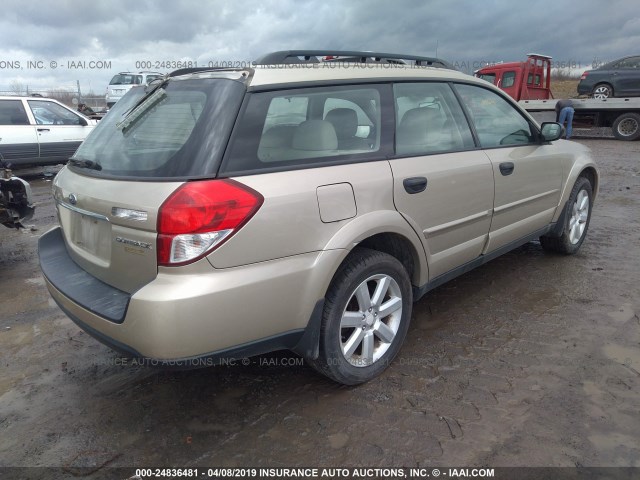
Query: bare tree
x,y
564,74
17,87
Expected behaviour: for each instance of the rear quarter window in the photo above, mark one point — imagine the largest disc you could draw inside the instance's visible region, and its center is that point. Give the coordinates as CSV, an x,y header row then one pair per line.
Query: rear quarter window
x,y
307,127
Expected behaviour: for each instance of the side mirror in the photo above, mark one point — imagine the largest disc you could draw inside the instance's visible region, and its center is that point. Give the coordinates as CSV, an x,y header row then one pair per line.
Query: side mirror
x,y
551,131
83,122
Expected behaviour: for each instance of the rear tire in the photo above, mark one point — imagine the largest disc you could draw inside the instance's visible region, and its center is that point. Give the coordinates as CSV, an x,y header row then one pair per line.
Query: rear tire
x,y
627,126
577,220
602,91
366,317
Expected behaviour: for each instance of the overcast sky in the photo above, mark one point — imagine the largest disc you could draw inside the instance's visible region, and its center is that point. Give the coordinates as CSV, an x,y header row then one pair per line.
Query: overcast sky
x,y
120,33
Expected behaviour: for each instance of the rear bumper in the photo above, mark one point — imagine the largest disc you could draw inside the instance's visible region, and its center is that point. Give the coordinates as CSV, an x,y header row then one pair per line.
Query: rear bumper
x,y
584,88
297,341
72,281
180,319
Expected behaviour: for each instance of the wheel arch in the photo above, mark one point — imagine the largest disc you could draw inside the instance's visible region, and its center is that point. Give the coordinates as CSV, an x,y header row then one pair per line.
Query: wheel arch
x,y
588,171
398,247
387,232
392,236
591,174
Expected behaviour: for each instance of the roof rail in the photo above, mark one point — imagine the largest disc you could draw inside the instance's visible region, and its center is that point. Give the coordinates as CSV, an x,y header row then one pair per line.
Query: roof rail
x,y
190,70
316,56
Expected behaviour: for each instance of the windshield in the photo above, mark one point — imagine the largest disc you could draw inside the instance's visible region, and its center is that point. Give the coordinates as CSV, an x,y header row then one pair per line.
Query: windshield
x,y
489,77
179,131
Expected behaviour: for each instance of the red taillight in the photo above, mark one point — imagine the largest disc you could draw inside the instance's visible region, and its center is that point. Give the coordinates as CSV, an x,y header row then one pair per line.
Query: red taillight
x,y
584,75
199,216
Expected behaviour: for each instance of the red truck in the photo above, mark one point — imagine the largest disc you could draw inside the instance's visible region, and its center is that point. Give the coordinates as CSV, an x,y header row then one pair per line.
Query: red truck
x,y
529,83
528,80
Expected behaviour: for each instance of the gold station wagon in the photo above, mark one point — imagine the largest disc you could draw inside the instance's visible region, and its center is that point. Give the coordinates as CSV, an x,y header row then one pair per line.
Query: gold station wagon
x,y
302,204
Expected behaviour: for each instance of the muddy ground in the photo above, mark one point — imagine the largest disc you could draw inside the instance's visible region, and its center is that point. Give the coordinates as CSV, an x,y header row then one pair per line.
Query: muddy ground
x,y
530,360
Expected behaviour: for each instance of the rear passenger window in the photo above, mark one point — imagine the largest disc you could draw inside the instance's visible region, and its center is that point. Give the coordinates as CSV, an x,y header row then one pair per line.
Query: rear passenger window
x,y
497,122
306,127
429,119
12,113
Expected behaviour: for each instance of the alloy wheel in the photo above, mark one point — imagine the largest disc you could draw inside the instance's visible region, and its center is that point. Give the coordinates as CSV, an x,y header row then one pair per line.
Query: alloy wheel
x,y
370,320
579,216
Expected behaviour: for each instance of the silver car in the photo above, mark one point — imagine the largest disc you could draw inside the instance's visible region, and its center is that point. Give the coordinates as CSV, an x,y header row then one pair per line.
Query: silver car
x,y
300,205
122,82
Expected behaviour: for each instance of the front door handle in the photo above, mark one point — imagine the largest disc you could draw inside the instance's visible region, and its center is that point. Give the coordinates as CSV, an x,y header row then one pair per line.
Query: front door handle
x,y
44,130
506,168
415,184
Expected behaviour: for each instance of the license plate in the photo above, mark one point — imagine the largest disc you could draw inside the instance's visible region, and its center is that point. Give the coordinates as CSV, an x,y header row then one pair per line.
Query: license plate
x,y
91,235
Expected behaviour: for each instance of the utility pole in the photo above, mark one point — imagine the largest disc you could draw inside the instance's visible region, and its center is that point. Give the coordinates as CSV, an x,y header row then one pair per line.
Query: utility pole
x,y
79,94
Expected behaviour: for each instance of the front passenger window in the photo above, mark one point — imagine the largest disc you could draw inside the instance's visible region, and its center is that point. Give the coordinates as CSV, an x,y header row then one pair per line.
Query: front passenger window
x,y
497,122
49,113
508,79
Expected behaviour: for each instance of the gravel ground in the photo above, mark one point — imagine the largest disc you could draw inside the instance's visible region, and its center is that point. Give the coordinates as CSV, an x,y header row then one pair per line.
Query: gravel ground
x,y
530,360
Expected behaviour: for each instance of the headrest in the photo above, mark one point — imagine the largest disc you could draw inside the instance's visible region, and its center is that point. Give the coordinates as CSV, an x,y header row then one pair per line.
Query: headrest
x,y
344,120
315,135
415,123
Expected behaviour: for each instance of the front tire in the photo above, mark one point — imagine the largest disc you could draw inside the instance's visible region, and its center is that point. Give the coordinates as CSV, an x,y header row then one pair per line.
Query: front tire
x,y
602,91
366,316
627,126
577,220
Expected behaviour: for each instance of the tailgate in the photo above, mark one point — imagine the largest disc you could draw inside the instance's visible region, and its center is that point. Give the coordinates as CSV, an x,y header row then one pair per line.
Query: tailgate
x,y
109,226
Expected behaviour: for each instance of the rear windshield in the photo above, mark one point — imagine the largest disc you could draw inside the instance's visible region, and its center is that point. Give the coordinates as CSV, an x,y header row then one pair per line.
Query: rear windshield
x,y
124,79
179,131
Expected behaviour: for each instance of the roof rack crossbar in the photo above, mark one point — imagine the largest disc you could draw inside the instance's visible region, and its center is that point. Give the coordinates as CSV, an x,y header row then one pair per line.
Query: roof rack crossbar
x,y
312,56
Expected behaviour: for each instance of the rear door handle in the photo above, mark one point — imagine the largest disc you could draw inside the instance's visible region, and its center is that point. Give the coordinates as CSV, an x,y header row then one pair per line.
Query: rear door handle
x,y
415,184
506,168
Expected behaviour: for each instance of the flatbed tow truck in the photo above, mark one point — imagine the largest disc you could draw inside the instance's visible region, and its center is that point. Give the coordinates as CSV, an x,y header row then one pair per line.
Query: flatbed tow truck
x,y
528,83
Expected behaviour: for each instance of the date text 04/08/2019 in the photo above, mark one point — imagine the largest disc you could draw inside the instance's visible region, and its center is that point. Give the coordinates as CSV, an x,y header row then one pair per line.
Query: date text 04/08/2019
x,y
313,472
175,64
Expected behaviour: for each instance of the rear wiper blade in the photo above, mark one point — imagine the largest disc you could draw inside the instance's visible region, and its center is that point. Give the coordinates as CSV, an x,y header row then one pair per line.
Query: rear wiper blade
x,y
85,164
145,104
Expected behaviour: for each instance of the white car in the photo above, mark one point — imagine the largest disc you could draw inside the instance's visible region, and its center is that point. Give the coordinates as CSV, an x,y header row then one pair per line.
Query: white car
x,y
39,131
124,81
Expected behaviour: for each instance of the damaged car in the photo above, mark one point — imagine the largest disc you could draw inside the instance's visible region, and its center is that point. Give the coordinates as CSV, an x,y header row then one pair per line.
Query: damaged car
x,y
16,199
